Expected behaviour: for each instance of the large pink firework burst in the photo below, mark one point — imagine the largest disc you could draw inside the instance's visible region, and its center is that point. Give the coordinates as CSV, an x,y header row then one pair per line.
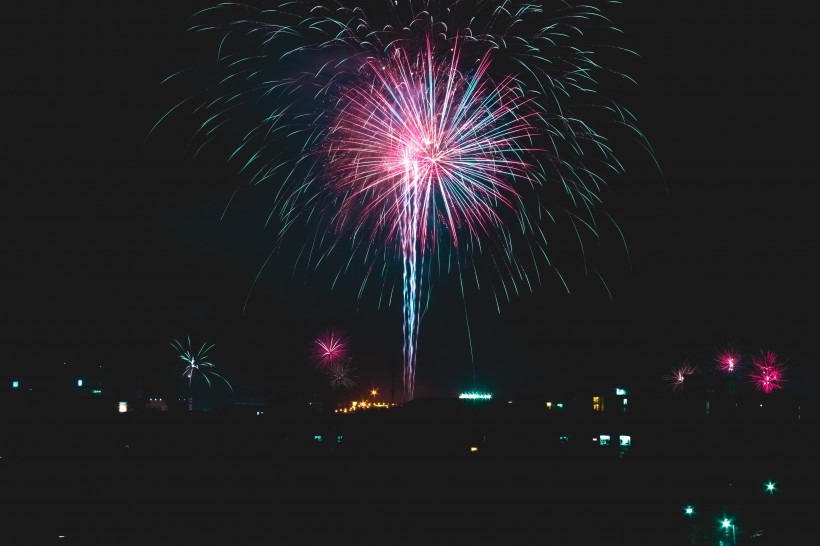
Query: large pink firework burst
x,y
329,348
424,151
418,136
767,372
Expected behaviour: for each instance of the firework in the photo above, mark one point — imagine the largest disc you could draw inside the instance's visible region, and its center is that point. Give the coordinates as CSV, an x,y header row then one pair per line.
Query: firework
x,y
767,372
330,347
431,137
196,364
679,374
339,374
728,360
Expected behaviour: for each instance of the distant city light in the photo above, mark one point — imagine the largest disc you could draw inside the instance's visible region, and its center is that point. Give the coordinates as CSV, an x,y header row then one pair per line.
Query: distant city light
x,y
559,405
770,487
625,440
620,392
318,437
123,407
549,405
604,439
96,391
689,510
473,449
79,382
15,384
475,396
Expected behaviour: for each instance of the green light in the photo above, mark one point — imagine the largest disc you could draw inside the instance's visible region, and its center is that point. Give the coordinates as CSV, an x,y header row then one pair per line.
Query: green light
x,y
620,392
604,439
318,437
79,382
475,396
15,384
96,391
770,487
689,510
726,523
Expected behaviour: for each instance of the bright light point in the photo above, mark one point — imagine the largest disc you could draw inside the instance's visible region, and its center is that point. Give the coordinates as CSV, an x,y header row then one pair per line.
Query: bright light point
x,y
122,407
726,523
15,384
475,396
79,382
625,440
620,392
770,487
473,449
689,510
374,392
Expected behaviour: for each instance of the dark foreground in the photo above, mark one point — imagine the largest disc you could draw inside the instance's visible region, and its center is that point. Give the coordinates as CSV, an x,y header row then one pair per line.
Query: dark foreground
x,y
404,476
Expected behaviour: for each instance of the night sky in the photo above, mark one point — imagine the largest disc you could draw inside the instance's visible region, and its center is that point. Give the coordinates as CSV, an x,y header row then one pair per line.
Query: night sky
x,y
112,243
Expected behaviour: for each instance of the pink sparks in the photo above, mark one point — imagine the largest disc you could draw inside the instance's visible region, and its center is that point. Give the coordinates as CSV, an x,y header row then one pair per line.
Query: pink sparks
x,y
419,151
767,374
329,348
728,360
678,376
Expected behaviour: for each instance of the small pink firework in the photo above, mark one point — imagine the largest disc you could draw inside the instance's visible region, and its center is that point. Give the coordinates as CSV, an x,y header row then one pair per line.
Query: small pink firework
x,y
330,347
679,375
768,372
728,360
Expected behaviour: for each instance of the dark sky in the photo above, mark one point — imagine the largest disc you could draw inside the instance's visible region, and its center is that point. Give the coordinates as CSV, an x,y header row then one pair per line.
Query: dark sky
x,y
112,244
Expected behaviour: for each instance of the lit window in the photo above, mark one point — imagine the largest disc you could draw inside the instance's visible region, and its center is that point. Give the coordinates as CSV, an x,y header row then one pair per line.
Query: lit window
x,y
624,401
620,392
79,382
318,437
15,384
625,440
122,407
604,439
549,405
597,403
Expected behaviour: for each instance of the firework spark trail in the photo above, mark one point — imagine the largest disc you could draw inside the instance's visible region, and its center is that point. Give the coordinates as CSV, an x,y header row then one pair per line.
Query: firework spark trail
x,y
425,149
397,132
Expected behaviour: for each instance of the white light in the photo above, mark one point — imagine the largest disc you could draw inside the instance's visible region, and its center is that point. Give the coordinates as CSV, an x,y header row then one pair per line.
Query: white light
x,y
475,396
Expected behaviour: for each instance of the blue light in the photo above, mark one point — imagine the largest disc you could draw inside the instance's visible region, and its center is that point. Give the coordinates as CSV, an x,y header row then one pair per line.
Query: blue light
x,y
15,384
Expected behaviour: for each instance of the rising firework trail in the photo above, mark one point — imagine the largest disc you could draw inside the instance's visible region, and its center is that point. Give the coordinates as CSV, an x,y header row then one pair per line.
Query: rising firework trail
x,y
431,137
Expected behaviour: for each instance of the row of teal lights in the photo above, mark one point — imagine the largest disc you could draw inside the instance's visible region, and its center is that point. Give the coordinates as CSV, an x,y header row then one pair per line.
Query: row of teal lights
x,y
16,385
